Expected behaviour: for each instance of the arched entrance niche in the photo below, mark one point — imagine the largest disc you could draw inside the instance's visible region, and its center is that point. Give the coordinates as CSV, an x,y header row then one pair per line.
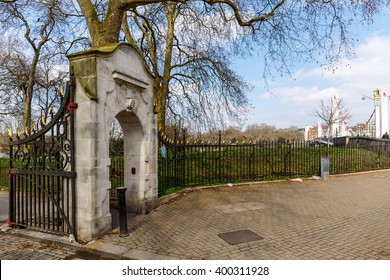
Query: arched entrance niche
x,y
134,159
112,83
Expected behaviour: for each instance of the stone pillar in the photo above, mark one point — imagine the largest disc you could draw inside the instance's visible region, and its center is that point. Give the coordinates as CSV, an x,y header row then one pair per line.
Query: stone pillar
x,y
112,83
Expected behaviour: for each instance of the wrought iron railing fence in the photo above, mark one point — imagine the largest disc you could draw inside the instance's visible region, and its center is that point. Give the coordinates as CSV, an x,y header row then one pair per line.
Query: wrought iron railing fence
x,y
117,177
184,164
41,170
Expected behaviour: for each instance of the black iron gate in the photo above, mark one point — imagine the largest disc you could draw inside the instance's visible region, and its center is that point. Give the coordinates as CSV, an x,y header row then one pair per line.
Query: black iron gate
x,y
42,171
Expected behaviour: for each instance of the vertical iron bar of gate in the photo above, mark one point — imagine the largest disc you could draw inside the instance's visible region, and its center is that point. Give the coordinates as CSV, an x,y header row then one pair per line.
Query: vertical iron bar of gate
x,y
175,158
241,158
23,199
285,159
35,192
254,161
230,156
43,181
31,199
289,158
11,207
219,156
193,157
190,163
294,169
184,164
179,160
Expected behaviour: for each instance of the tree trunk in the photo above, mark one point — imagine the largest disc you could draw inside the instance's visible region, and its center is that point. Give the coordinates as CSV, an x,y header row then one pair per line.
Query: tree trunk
x,y
109,30
160,106
103,32
27,100
163,91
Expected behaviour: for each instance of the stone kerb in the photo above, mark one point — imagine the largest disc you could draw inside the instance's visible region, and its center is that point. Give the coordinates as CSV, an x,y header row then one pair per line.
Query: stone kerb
x,y
113,83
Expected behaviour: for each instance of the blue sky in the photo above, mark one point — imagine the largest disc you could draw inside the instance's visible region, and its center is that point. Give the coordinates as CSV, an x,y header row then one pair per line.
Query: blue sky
x,y
293,102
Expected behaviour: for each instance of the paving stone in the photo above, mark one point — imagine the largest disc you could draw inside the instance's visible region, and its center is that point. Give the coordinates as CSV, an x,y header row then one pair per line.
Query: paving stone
x,y
144,255
318,219
344,217
15,247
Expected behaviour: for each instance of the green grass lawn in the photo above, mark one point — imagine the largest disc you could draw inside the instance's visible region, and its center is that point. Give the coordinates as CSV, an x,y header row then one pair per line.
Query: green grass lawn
x,y
212,165
3,174
207,165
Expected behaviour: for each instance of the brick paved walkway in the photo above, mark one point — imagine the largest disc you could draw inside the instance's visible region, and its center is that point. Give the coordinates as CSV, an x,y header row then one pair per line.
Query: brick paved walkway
x,y
23,248
345,217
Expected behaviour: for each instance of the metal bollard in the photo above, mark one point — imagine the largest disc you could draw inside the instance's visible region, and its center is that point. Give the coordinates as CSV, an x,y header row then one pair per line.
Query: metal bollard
x,y
325,167
122,211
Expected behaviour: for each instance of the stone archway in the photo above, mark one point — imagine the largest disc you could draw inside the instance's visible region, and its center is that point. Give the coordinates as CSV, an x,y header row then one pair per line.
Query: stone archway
x,y
113,83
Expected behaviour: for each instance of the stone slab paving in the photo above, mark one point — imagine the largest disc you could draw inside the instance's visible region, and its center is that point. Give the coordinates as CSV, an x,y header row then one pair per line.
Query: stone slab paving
x,y
344,217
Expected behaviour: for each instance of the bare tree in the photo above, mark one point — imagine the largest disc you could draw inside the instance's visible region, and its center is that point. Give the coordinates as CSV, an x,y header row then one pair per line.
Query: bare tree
x,y
193,77
188,45
13,79
50,78
182,58
332,112
32,36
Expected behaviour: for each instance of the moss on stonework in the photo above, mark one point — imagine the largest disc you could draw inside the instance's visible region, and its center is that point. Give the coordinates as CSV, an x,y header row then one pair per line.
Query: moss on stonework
x,y
85,67
86,73
107,49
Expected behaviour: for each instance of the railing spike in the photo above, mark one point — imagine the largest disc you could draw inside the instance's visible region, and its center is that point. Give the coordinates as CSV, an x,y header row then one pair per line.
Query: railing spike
x,y
62,91
18,132
10,133
26,131
43,120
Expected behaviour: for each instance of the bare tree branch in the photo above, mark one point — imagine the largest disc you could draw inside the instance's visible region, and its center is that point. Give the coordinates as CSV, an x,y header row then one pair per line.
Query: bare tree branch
x,y
332,112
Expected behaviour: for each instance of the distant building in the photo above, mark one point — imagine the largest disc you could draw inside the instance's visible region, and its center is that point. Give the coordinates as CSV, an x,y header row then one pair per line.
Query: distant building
x,y
301,133
366,129
315,131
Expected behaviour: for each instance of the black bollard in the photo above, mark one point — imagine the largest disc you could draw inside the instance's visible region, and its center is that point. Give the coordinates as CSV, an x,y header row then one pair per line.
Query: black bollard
x,y
122,211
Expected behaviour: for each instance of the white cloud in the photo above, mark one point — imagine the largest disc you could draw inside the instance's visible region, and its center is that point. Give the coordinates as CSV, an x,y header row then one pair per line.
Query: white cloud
x,y
303,94
369,65
351,79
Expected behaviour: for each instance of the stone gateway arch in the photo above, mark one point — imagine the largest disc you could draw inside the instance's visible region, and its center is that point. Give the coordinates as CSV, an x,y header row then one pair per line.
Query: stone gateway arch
x,y
112,83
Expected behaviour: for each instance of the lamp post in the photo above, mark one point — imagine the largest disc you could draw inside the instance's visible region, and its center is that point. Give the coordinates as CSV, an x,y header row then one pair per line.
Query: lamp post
x,y
377,104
